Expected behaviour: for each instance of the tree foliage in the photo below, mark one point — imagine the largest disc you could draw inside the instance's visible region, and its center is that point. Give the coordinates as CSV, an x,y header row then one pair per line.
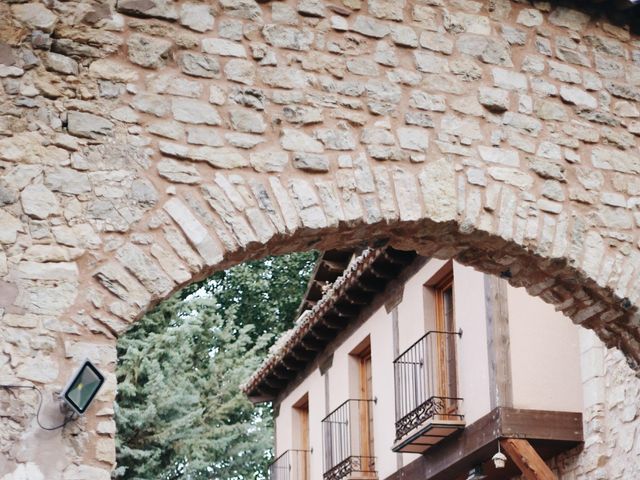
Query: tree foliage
x,y
264,293
180,412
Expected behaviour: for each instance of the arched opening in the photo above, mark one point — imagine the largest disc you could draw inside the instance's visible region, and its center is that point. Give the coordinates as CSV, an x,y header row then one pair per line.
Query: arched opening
x,y
435,284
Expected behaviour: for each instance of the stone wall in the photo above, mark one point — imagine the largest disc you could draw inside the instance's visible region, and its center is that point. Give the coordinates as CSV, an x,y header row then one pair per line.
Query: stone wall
x,y
146,143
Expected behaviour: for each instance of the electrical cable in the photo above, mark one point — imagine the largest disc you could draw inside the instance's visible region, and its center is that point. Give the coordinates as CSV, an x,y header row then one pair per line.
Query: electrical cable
x,y
33,387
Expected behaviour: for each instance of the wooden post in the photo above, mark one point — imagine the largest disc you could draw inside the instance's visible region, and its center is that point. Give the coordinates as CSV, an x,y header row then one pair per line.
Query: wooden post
x,y
498,344
527,459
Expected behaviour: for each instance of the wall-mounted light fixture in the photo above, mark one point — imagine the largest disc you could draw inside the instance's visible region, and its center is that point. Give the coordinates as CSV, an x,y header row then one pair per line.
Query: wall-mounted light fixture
x,y
78,394
499,459
83,387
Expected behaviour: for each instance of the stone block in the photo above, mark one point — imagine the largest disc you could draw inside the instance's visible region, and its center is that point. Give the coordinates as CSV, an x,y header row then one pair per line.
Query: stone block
x,y
311,162
164,9
224,48
247,121
198,65
291,38
61,64
295,140
194,112
530,17
88,125
39,202
146,271
149,52
569,18
415,139
336,139
240,71
196,16
370,27
178,172
578,97
35,16
197,234
494,99
509,80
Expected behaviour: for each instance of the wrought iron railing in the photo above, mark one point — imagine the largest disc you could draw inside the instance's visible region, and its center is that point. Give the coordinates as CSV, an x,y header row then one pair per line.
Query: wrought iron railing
x,y
425,382
347,440
291,465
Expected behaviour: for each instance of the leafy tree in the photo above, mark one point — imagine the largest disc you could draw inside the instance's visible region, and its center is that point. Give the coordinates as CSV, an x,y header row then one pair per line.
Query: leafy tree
x,y
180,412
265,293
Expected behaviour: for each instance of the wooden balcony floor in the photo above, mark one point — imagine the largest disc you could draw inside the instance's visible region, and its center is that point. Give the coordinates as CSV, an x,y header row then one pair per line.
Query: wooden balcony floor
x,y
427,434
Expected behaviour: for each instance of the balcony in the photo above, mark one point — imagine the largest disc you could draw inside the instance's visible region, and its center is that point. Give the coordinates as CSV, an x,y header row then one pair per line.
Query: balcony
x,y
291,465
428,408
347,439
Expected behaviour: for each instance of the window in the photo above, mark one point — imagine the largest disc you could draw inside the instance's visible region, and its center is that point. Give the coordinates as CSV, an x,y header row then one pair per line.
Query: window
x,y
366,393
445,322
301,438
348,430
426,383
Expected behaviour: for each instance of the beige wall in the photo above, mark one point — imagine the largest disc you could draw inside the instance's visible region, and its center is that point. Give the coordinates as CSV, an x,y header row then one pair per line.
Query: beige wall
x,y
285,438
535,327
545,355
473,362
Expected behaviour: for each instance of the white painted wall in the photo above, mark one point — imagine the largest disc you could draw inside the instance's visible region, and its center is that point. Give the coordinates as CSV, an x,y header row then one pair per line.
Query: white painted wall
x,y
314,386
473,361
545,355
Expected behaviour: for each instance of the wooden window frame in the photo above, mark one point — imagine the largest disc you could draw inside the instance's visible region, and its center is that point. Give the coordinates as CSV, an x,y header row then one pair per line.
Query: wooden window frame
x,y
362,354
438,284
301,426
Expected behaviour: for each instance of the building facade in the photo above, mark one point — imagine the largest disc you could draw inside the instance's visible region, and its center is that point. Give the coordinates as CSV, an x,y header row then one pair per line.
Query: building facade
x,y
410,367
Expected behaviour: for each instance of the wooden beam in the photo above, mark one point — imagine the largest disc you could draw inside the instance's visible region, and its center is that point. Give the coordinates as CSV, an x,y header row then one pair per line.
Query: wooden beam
x,y
527,459
382,272
273,383
334,321
345,309
302,355
555,431
371,283
358,297
311,344
541,425
320,333
498,344
292,363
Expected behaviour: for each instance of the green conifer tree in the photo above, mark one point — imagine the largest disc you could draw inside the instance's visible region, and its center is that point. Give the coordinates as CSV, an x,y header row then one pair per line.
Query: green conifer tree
x,y
180,412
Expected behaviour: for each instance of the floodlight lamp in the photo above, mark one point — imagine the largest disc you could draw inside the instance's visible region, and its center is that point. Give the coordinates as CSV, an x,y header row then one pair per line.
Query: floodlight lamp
x,y
83,387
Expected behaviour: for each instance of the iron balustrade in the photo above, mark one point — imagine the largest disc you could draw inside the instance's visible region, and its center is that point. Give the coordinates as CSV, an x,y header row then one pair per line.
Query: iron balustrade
x,y
425,382
291,465
346,440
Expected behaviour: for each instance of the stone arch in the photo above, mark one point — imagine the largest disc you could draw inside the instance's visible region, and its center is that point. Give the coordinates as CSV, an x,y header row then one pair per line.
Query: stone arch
x,y
148,143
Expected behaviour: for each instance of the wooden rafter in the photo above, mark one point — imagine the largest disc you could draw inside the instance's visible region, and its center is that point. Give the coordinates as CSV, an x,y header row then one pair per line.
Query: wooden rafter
x,y
527,459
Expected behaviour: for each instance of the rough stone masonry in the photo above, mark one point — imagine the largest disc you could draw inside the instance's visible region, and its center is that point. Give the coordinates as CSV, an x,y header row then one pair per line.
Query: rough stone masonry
x,y
146,143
